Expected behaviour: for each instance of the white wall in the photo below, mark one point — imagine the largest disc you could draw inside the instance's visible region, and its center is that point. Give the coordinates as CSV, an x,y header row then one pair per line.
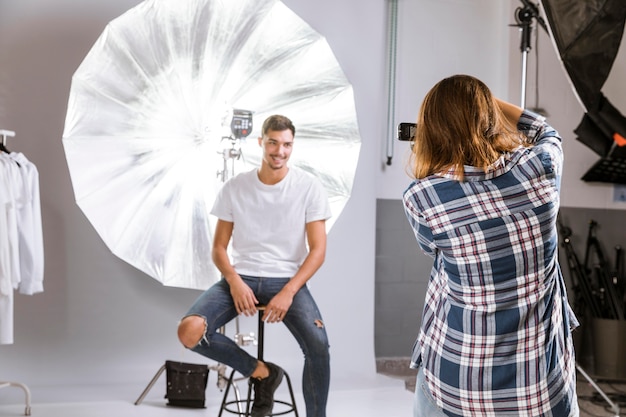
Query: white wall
x,y
437,39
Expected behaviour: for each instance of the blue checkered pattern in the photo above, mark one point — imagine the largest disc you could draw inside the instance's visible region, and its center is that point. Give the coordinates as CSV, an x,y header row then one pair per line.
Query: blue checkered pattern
x,y
495,337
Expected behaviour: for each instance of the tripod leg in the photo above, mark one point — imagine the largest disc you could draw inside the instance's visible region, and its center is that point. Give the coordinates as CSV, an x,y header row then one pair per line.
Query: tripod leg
x,y
150,385
613,406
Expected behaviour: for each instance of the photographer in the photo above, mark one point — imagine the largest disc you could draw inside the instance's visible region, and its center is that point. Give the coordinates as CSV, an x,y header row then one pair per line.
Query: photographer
x,y
495,338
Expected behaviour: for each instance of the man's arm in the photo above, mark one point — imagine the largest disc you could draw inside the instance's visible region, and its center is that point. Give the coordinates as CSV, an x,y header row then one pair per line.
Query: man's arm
x,y
243,296
316,238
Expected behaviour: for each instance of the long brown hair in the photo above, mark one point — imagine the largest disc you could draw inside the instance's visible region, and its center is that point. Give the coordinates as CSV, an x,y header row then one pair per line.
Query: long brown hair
x,y
460,123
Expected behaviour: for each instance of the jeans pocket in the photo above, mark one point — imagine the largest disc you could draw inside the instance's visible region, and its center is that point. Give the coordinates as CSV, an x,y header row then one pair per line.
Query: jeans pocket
x,y
428,396
430,407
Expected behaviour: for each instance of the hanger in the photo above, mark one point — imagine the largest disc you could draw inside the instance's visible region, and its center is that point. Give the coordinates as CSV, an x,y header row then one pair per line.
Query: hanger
x,y
5,133
3,145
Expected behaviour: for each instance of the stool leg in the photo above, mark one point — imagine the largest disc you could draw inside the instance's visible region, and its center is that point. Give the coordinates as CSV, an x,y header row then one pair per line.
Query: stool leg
x,y
237,396
261,344
249,399
261,338
293,398
241,412
230,381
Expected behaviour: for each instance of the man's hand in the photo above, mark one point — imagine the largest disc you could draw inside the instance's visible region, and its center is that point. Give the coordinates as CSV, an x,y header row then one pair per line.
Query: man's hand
x,y
244,298
277,308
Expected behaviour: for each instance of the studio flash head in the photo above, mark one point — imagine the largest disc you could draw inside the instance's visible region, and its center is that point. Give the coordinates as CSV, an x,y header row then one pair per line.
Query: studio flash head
x,y
241,123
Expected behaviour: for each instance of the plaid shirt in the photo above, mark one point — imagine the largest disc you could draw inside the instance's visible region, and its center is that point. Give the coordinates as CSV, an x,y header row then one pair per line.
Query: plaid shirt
x,y
495,338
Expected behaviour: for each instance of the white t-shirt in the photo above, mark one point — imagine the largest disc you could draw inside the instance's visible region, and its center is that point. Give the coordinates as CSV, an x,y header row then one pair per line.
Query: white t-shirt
x,y
269,234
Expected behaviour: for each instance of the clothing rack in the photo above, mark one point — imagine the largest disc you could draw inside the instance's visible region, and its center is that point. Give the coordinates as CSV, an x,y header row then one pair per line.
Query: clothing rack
x,y
4,384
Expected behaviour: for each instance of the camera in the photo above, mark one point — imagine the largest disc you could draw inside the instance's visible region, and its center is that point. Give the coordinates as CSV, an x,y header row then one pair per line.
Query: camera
x,y
406,131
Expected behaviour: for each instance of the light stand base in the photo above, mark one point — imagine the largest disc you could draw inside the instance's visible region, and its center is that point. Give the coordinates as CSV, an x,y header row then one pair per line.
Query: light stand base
x,y
614,407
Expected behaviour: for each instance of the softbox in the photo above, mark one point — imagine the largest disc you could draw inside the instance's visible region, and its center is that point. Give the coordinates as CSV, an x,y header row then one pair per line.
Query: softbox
x,y
587,35
603,129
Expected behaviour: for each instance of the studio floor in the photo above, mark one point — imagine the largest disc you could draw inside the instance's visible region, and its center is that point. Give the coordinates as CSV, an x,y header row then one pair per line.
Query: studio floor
x,y
383,395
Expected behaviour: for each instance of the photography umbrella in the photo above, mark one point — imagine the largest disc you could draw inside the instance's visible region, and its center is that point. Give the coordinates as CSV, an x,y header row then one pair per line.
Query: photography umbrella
x,y
159,112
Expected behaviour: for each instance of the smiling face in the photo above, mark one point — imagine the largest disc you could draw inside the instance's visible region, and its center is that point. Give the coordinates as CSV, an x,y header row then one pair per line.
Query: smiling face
x,y
277,146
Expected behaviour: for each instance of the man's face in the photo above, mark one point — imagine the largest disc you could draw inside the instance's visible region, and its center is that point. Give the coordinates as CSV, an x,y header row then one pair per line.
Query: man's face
x,y
277,146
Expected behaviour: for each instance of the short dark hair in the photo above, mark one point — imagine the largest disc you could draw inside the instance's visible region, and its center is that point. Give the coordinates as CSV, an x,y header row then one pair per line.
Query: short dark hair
x,y
278,123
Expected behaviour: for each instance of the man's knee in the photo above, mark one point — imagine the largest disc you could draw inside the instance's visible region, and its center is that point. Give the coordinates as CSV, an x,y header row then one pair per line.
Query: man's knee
x,y
318,345
191,330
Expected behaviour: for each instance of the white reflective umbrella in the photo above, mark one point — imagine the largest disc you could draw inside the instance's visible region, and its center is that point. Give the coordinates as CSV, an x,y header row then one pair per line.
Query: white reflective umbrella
x,y
154,126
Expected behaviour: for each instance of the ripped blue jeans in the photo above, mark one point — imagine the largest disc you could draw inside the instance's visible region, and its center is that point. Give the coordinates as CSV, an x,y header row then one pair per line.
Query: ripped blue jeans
x,y
303,320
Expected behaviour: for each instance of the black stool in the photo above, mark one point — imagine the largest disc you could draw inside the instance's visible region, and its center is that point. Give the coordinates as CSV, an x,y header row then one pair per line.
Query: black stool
x,y
289,407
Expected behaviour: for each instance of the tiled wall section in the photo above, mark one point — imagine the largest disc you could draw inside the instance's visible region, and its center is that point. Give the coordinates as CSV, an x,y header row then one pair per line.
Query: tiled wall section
x,y
402,273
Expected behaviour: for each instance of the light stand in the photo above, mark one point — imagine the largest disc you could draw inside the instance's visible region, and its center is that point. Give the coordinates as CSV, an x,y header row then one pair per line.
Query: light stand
x,y
229,155
524,17
240,128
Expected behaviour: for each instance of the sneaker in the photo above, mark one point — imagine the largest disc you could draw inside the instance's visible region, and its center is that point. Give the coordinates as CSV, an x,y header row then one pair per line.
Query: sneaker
x,y
264,391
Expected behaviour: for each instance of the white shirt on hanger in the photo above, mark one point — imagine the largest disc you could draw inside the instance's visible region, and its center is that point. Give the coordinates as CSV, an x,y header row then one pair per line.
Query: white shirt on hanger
x,y
29,228
8,247
21,237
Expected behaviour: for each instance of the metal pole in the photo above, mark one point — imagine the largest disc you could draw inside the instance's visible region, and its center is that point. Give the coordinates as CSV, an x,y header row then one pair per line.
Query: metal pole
x,y
524,18
391,77
524,74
